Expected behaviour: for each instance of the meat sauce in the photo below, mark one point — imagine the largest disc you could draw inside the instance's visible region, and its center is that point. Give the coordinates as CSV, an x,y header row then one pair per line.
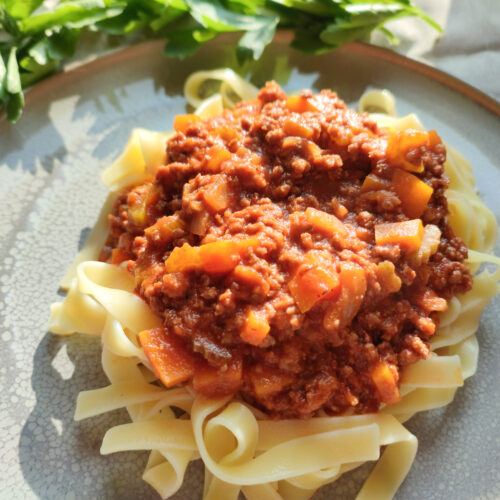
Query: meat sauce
x,y
298,254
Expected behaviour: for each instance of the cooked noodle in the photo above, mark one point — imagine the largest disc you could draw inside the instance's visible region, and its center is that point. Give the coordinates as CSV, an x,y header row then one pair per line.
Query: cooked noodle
x,y
241,449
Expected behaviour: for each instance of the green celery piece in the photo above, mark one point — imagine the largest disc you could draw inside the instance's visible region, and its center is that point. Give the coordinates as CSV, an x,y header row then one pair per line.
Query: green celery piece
x,y
72,14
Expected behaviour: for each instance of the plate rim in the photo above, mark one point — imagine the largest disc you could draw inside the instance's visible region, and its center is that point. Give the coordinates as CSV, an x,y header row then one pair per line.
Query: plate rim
x,y
112,57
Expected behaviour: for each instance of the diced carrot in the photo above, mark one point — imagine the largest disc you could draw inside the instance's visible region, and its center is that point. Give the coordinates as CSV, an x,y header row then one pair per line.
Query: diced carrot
x,y
408,234
434,139
184,258
373,182
325,223
255,327
245,245
220,256
384,376
227,134
322,258
216,155
164,228
118,255
413,193
252,278
297,129
300,104
171,361
428,300
401,143
266,381
183,122
213,382
352,292
311,284
216,194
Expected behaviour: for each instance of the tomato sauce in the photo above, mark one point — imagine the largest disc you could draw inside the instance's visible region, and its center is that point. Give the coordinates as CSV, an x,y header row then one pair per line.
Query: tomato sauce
x,y
281,246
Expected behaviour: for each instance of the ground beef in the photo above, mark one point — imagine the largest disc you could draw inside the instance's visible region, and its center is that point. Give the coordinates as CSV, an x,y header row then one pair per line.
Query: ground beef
x,y
281,157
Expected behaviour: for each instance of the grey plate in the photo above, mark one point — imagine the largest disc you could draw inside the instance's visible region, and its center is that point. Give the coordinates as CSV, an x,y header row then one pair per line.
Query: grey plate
x,y
50,194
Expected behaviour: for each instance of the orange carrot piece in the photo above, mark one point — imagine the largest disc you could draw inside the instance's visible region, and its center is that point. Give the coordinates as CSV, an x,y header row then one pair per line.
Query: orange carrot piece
x,y
413,193
428,300
184,258
312,284
118,255
220,256
408,234
171,361
216,155
300,104
266,381
401,143
183,122
216,194
252,278
255,328
245,245
227,134
212,382
296,129
325,223
384,376
373,182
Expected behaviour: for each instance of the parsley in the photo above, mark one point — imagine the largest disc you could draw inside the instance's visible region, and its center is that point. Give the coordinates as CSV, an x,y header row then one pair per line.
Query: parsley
x,y
34,42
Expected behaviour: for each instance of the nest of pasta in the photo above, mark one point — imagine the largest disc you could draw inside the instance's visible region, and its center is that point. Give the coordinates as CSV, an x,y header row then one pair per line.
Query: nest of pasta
x,y
284,260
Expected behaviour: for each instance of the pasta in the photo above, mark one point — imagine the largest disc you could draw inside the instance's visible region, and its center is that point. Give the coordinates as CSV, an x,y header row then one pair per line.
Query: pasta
x,y
241,448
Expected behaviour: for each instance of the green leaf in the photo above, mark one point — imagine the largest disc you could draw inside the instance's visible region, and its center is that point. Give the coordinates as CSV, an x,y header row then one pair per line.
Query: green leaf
x,y
8,23
167,17
252,43
13,84
19,9
315,7
308,41
57,46
15,104
213,15
3,80
185,43
72,14
36,72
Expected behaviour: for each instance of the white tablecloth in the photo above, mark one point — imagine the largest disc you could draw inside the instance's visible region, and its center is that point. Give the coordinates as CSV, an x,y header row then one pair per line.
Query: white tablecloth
x,y
469,48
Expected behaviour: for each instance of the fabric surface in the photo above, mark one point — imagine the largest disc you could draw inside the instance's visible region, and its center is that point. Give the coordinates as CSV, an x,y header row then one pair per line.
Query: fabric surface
x,y
468,49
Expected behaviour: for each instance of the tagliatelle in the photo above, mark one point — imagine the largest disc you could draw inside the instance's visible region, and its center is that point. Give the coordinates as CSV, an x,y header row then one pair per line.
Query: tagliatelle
x,y
241,449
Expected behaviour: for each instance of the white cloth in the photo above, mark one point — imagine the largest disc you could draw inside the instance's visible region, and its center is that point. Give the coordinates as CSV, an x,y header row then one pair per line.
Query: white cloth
x,y
469,48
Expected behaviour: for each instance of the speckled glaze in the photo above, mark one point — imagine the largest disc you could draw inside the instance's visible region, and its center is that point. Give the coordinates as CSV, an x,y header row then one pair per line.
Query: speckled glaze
x,y
50,195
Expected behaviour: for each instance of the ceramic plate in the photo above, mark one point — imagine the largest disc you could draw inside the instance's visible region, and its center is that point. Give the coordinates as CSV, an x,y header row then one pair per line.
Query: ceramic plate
x,y
50,194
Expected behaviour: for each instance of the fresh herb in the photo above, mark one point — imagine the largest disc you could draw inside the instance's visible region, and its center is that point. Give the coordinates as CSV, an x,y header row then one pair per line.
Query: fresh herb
x,y
34,41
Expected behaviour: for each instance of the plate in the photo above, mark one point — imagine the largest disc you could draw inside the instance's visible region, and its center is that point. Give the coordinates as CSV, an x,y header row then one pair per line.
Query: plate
x,y
74,125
